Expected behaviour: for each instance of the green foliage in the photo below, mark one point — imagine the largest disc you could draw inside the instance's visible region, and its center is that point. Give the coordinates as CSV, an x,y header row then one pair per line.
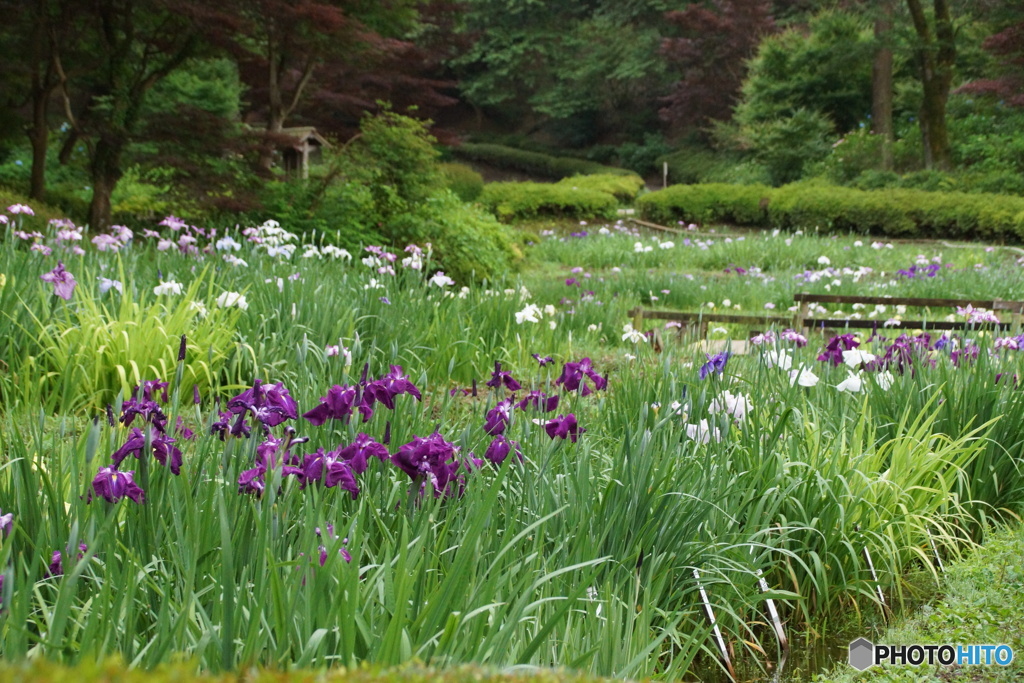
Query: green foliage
x,y
96,347
692,165
644,157
469,244
787,146
625,188
394,156
342,211
44,213
533,200
534,163
973,608
137,199
461,179
830,208
114,670
579,70
708,203
826,70
211,85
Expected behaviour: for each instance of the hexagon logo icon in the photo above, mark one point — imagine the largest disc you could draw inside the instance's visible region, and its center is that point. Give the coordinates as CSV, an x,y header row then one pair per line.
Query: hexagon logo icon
x,y
862,654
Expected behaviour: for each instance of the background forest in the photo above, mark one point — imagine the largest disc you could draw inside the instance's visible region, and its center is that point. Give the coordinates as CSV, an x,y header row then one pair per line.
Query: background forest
x,y
119,112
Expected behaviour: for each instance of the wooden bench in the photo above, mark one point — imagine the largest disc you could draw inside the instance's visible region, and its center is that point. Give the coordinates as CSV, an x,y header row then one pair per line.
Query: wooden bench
x,y
804,321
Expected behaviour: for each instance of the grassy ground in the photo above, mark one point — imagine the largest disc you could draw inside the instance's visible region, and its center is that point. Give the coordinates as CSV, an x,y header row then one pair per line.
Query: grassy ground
x,y
983,602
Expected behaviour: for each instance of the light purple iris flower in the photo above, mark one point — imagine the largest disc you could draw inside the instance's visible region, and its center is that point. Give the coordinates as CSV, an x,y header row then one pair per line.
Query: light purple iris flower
x,y
63,282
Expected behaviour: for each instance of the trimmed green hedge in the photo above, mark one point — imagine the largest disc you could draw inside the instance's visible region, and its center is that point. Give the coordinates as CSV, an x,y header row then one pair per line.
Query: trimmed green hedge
x,y
533,200
533,163
830,208
625,188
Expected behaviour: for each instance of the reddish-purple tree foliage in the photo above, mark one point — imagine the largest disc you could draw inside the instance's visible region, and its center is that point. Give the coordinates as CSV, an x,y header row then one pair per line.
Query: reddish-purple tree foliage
x,y
327,61
1008,45
711,53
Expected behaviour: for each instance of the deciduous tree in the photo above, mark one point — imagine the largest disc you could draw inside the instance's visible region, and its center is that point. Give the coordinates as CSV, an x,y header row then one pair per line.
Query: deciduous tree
x,y
936,58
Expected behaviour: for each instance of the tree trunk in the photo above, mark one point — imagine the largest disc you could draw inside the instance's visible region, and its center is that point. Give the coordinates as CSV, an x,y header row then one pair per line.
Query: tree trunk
x,y
106,171
882,82
936,56
39,135
42,86
275,110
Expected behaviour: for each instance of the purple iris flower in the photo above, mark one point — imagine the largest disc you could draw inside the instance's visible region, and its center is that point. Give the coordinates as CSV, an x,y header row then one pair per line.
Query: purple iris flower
x,y
500,377
267,458
966,355
195,394
715,364
433,460
900,355
539,400
930,270
498,417
564,426
114,485
385,389
271,405
7,523
358,452
151,388
230,424
63,282
332,536
251,481
330,470
499,449
833,352
147,409
546,360
182,431
574,374
338,404
161,445
1014,377
56,567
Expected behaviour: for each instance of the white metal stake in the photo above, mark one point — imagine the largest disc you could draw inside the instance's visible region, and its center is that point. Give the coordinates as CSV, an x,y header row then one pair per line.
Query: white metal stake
x,y
709,614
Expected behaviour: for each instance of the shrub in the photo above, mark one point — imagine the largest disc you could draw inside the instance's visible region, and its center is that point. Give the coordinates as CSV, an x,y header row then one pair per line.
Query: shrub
x,y
43,212
787,145
342,211
623,187
690,165
533,200
830,208
534,163
395,157
468,244
466,183
713,202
